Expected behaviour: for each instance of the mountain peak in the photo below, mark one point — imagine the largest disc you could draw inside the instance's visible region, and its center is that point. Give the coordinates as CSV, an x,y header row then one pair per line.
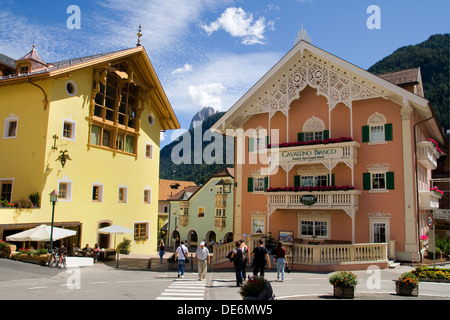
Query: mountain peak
x,y
203,114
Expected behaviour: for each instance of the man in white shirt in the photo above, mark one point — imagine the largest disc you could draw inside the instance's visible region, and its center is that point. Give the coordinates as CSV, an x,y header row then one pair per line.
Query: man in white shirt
x,y
202,258
181,254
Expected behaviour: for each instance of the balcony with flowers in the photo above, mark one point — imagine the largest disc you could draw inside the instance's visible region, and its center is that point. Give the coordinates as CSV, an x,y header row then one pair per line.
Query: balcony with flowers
x,y
319,197
427,153
430,199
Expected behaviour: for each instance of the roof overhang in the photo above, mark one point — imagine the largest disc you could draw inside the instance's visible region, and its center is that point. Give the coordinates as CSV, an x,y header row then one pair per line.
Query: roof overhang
x,y
272,80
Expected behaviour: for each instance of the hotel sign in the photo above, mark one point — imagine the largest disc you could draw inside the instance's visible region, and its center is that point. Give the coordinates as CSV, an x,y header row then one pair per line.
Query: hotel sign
x,y
308,200
302,154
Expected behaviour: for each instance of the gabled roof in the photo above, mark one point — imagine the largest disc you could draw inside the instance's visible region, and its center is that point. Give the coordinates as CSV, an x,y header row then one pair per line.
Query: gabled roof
x,y
306,64
168,188
402,77
136,55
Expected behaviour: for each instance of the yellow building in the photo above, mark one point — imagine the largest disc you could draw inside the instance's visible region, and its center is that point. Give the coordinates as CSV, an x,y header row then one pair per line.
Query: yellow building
x,y
89,128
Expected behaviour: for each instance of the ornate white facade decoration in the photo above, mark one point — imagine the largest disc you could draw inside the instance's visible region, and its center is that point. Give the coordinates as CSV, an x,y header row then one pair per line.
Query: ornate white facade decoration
x,y
336,85
313,124
376,119
378,215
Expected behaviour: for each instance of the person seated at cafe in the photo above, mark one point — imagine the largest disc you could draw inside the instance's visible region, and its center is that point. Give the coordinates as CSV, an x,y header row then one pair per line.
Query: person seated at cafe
x,y
96,252
87,251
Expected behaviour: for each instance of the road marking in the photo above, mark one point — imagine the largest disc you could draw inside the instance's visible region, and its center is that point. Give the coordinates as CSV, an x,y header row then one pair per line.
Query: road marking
x,y
35,288
184,289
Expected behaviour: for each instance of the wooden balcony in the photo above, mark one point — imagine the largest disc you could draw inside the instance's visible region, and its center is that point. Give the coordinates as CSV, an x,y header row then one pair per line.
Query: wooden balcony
x,y
427,154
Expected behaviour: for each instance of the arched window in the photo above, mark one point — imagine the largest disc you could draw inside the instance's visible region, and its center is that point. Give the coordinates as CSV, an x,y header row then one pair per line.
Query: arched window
x,y
377,129
313,129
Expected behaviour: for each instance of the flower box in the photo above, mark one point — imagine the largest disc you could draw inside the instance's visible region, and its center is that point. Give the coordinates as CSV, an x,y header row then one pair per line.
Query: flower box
x,y
406,290
344,292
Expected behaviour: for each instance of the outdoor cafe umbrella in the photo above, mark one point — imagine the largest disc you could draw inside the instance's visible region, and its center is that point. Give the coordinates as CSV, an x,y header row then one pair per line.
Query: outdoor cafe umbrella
x,y
41,233
115,230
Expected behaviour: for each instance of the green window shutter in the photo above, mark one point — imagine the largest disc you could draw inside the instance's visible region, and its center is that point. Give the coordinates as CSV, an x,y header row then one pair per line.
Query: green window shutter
x,y
365,134
266,183
332,180
296,181
388,136
251,144
250,184
326,134
366,181
267,141
390,180
301,137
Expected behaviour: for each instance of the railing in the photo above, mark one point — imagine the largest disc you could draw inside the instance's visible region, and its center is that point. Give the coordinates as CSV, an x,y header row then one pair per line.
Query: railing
x,y
336,254
320,254
324,199
427,154
428,200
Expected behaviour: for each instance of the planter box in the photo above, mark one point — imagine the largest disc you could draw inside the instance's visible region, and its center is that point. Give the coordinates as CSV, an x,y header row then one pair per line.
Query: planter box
x,y
405,290
344,292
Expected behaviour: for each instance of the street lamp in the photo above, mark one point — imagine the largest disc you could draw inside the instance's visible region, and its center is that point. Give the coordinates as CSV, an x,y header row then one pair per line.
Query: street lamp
x,y
53,199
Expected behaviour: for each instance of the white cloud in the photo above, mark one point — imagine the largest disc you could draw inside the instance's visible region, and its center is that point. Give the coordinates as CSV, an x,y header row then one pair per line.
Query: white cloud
x,y
187,68
207,95
239,24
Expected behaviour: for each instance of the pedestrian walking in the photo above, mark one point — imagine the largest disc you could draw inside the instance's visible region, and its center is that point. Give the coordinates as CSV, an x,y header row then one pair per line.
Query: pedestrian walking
x,y
181,256
260,259
202,259
238,261
162,248
246,256
280,256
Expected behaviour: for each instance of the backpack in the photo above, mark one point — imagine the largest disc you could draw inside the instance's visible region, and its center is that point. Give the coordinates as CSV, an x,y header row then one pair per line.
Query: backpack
x,y
238,257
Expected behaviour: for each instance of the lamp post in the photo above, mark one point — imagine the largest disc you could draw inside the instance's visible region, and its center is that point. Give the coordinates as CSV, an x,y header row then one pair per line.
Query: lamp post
x,y
53,199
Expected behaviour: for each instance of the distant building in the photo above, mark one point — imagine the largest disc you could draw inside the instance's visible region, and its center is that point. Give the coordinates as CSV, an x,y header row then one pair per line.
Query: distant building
x,y
88,128
204,213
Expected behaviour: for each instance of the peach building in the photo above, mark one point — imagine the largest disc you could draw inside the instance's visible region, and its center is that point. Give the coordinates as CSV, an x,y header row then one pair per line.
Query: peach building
x,y
329,153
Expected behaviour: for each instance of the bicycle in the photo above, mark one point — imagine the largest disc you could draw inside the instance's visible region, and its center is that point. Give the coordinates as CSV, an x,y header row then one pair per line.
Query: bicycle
x,y
52,258
61,259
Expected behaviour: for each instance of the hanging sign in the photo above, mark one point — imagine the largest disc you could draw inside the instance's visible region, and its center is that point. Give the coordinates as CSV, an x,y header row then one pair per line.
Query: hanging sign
x,y
308,200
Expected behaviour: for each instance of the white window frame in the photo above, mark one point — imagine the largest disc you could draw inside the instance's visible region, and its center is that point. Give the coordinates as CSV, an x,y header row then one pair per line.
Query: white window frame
x,y
378,169
12,186
11,118
256,181
69,189
314,219
75,89
125,194
73,131
100,193
151,150
374,121
149,200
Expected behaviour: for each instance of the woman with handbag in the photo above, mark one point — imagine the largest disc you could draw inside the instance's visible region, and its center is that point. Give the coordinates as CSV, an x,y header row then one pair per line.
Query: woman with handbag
x,y
181,256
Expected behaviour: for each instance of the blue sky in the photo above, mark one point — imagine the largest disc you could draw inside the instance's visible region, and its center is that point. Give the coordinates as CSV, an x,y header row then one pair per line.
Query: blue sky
x,y
209,52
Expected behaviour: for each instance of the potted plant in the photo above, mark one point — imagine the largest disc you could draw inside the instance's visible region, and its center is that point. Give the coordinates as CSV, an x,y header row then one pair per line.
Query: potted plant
x,y
124,246
407,285
256,288
344,284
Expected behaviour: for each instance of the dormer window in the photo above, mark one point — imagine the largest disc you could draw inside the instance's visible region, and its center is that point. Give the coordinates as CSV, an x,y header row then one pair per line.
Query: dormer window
x,y
24,69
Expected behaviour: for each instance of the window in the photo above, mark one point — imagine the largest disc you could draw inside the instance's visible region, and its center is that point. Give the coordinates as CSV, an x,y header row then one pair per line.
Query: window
x,y
10,130
65,190
220,212
122,197
184,211
115,114
97,193
379,232
377,129
147,196
378,181
314,228
71,88
257,184
320,180
6,190
201,212
141,231
257,225
313,129
68,130
311,136
149,151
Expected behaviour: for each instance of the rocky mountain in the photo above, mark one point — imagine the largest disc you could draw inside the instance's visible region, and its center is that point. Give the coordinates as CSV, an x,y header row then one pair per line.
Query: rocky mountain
x,y
203,114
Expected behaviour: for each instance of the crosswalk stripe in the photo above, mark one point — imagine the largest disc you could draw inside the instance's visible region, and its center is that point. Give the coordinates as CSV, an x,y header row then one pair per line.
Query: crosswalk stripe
x,y
184,289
